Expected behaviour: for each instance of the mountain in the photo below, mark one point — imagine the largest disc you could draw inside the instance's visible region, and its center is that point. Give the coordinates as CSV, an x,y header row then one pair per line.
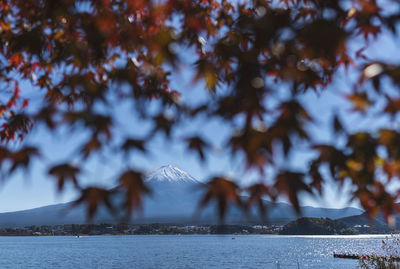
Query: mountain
x,y
364,224
169,173
174,199
177,193
286,211
46,215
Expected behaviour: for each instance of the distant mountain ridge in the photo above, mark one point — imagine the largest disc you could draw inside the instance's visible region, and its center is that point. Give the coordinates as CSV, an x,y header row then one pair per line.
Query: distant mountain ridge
x,y
365,224
174,200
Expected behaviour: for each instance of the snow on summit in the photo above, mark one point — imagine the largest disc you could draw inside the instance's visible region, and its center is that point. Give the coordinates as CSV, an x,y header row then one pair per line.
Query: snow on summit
x,y
170,173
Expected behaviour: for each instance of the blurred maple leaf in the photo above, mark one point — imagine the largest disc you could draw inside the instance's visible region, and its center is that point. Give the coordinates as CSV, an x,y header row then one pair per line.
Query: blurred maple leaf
x,y
131,144
206,71
197,144
337,125
360,101
63,173
257,193
135,188
376,199
22,157
335,159
291,184
224,192
16,127
392,106
93,197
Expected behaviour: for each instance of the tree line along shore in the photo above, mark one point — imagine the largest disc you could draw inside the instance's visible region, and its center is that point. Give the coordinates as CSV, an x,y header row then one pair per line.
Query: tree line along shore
x,y
301,226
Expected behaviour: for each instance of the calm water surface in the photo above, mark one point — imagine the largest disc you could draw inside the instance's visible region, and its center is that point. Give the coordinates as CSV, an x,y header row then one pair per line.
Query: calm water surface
x,y
186,251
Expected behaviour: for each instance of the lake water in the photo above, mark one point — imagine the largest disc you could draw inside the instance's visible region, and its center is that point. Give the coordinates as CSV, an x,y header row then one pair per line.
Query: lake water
x,y
185,251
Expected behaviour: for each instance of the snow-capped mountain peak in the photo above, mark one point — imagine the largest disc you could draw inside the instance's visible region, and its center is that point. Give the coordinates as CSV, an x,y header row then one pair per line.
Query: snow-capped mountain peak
x,y
170,173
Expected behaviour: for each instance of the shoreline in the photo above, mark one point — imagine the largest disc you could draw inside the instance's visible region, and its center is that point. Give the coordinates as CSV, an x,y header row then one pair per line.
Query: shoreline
x,y
361,236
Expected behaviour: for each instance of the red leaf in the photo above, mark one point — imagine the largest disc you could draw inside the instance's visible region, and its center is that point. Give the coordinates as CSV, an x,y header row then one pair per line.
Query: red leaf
x,y
25,103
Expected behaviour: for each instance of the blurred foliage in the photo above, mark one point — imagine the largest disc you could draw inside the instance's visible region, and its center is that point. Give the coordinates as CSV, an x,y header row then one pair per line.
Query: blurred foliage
x,y
82,55
388,259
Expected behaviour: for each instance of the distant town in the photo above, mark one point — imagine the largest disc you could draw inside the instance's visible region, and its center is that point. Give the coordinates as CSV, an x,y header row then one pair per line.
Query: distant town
x,y
129,229
302,226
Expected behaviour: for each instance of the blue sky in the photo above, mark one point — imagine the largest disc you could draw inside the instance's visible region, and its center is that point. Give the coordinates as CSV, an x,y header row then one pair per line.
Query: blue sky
x,y
36,188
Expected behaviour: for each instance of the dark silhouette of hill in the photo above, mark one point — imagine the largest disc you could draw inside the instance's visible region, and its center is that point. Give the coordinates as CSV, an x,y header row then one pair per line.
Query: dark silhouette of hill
x,y
316,226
